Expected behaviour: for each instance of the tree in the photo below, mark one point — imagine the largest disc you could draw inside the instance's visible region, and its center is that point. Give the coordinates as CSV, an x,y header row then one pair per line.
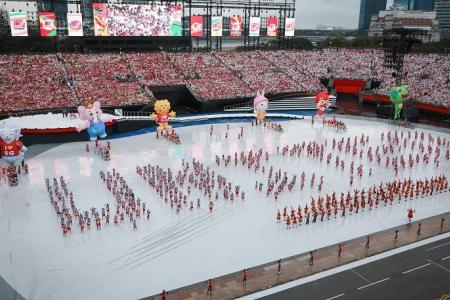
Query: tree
x,y
301,43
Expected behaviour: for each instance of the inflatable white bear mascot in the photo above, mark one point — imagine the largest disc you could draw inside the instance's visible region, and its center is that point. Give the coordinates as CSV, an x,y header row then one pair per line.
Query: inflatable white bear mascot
x,y
12,150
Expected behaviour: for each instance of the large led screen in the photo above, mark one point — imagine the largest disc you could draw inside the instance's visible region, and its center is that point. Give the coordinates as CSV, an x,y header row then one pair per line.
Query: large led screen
x,y
137,20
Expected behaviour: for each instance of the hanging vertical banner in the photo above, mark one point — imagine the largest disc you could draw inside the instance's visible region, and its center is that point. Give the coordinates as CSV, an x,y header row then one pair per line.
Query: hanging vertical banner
x,y
236,26
216,26
255,25
175,13
289,27
197,26
100,11
18,23
47,23
75,24
272,26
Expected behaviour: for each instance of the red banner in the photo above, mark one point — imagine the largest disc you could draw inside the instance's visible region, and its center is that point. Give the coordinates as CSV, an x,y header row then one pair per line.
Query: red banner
x,y
236,26
197,26
272,26
47,23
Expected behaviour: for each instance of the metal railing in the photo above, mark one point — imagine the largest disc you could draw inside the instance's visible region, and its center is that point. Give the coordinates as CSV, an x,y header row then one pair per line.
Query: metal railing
x,y
271,99
69,110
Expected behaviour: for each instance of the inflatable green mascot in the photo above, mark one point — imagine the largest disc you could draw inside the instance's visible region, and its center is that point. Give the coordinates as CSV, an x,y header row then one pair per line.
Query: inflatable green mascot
x,y
398,96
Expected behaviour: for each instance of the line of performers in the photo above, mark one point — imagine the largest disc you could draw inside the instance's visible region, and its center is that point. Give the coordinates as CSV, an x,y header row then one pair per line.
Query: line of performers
x,y
169,135
388,193
11,173
334,123
102,150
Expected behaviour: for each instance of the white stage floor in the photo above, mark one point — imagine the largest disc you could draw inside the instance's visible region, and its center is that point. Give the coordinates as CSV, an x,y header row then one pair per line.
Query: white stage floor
x,y
170,250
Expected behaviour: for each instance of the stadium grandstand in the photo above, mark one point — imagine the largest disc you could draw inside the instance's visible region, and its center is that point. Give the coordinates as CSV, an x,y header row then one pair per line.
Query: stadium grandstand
x,y
110,58
34,81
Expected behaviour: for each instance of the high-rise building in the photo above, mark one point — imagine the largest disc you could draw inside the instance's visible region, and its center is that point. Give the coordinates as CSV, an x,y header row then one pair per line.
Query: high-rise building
x,y
426,5
442,8
405,4
367,9
424,22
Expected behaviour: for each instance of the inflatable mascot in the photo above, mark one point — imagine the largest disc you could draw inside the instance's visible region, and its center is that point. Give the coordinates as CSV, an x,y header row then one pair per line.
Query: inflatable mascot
x,y
398,96
322,103
11,149
93,120
260,104
162,114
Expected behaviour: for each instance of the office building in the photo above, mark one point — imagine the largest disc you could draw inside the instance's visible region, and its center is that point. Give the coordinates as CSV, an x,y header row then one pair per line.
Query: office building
x,y
367,9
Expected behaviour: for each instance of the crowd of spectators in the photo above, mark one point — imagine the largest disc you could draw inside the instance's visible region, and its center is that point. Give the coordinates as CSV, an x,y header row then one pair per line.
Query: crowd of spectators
x,y
29,82
208,77
258,72
153,69
427,77
96,77
293,63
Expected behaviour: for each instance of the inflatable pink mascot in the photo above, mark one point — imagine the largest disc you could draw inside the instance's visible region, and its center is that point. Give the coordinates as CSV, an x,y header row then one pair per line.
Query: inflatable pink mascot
x,y
260,104
322,103
93,120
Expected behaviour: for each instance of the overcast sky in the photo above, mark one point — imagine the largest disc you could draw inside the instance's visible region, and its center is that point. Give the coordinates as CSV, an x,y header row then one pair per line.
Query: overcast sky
x,y
344,13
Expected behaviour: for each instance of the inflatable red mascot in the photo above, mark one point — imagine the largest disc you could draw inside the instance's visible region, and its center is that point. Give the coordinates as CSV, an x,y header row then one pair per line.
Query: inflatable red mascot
x,y
322,103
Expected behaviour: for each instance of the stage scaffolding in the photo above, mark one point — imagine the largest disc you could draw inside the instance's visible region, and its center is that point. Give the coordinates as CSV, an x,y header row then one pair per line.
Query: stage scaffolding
x,y
281,9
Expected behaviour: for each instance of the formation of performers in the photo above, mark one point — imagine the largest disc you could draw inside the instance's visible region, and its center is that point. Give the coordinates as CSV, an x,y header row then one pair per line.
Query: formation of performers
x,y
273,126
183,189
127,207
269,125
360,200
170,136
175,188
421,151
11,173
102,150
333,123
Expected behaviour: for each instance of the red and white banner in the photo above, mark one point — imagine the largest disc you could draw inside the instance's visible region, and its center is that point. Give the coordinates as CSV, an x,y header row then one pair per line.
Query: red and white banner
x,y
18,23
289,27
216,26
75,24
197,26
272,26
47,23
255,25
236,26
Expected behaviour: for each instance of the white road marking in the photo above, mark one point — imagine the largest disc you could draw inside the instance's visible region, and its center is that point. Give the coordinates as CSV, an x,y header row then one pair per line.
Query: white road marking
x,y
438,246
419,267
373,283
446,258
337,296
438,265
342,268
368,281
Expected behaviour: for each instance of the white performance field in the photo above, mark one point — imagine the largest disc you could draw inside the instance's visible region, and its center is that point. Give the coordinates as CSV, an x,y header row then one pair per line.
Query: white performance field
x,y
173,250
